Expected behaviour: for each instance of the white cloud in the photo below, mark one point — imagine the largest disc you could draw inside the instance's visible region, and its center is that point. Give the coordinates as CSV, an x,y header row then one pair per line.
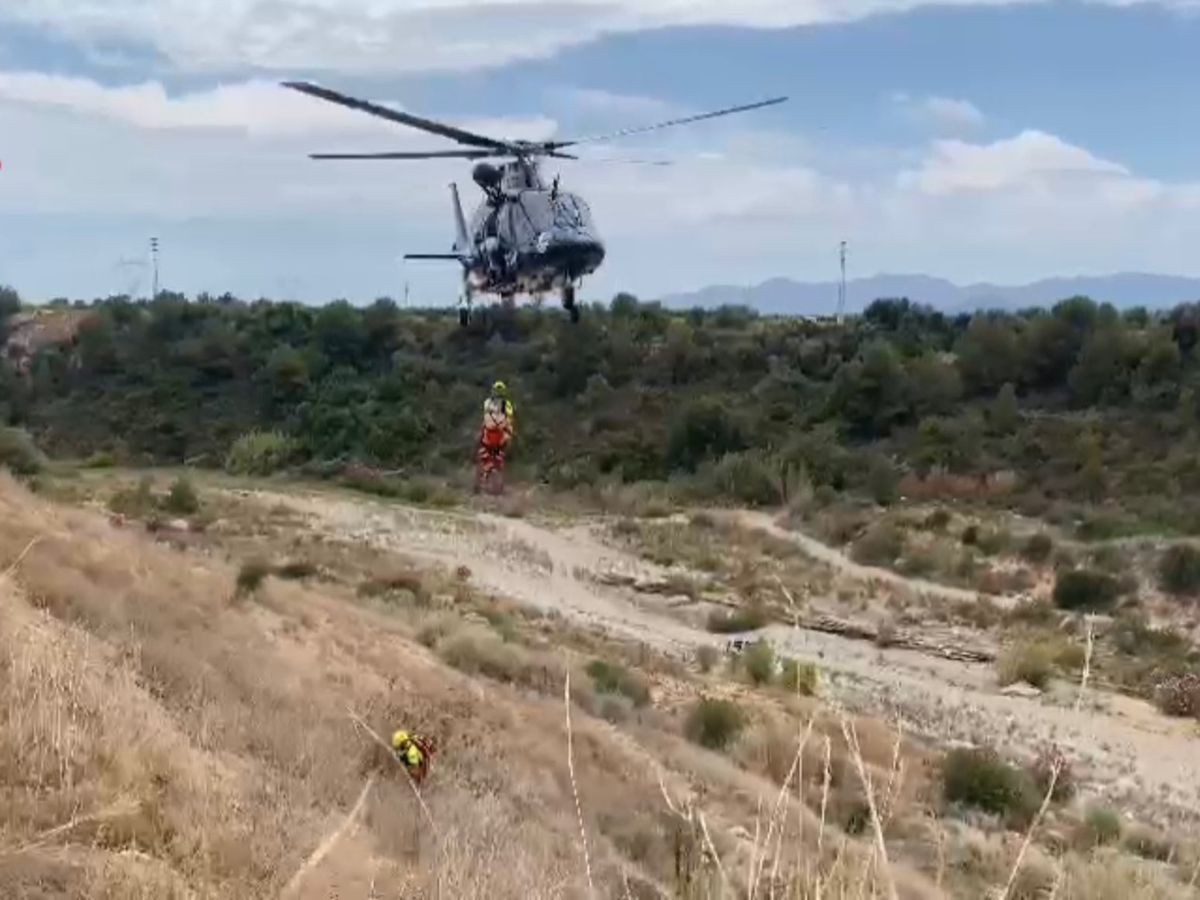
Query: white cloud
x,y
1032,157
944,114
738,206
255,108
407,35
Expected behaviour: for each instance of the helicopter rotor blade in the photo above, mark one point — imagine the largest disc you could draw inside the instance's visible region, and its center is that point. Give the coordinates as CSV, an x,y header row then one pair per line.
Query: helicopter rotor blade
x,y
432,154
625,162
625,132
393,115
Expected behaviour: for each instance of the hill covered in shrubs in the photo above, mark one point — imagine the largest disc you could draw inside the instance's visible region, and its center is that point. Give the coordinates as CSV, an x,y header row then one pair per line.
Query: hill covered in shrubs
x,y
1052,411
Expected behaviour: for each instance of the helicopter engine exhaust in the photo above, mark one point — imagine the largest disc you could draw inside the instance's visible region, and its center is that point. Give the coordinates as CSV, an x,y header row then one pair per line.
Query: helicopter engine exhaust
x,y
486,176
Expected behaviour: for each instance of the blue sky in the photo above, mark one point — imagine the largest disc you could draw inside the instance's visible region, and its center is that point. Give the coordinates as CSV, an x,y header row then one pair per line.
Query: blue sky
x,y
980,141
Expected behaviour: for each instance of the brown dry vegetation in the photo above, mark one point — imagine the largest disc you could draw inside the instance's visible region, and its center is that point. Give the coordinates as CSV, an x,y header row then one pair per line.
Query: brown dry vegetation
x,y
161,737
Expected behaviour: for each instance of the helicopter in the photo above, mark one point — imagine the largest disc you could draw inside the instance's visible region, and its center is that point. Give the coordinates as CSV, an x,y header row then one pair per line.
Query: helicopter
x,y
527,236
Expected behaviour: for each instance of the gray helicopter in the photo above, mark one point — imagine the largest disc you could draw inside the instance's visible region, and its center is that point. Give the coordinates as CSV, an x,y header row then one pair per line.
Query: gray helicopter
x,y
526,237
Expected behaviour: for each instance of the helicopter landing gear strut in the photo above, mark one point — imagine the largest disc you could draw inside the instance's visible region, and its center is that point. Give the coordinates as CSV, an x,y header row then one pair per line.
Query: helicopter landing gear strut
x,y
464,306
568,301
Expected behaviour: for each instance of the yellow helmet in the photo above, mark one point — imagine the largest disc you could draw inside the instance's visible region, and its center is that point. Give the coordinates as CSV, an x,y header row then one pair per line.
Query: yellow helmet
x,y
399,739
500,388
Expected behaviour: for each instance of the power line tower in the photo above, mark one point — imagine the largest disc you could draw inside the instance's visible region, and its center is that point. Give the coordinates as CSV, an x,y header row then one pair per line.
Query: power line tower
x,y
841,308
154,259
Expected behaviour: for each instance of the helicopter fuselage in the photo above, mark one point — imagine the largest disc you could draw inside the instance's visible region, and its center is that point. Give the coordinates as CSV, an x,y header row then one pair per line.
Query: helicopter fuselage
x,y
527,238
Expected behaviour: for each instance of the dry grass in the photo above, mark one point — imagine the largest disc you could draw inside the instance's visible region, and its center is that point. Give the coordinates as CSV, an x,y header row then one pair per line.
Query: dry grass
x,y
159,742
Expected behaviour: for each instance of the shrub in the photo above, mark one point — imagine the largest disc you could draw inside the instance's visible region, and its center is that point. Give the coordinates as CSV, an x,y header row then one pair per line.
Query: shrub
x,y
1082,589
134,501
295,570
799,677
981,779
1038,548
260,453
881,544
937,520
883,481
746,477
1179,695
182,498
101,459
1032,663
759,660
18,453
250,577
714,723
1149,844
613,678
1179,570
1042,771
723,621
970,536
478,652
707,657
1101,826
992,541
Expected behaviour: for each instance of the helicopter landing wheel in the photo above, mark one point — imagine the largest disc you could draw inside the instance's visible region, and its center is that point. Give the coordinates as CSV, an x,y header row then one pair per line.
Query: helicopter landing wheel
x,y
568,300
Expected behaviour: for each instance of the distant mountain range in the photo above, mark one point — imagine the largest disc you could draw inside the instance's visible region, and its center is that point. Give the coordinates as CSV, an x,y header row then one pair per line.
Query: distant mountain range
x,y
784,296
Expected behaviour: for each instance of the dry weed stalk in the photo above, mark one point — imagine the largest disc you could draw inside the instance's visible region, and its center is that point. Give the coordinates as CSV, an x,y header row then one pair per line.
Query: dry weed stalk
x,y
1055,771
587,860
877,826
292,888
757,863
13,566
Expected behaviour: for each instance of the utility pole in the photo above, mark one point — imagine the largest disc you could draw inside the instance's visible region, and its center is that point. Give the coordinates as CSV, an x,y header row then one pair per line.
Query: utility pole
x,y
841,309
154,259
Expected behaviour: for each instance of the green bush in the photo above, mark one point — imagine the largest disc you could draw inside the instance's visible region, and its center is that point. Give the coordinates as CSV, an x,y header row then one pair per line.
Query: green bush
x,y
101,459
750,618
714,723
799,677
1101,827
19,454
260,453
980,778
1149,844
937,520
1038,548
181,499
748,478
295,570
484,653
1179,570
881,545
707,657
883,481
759,662
992,541
250,577
613,678
1032,663
134,501
1082,589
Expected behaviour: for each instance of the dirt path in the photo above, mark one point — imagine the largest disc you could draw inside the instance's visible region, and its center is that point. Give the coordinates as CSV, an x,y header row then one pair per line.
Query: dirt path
x,y
838,560
1122,749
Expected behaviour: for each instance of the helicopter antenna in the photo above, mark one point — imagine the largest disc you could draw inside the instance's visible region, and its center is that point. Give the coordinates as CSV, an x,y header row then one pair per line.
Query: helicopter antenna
x,y
841,307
